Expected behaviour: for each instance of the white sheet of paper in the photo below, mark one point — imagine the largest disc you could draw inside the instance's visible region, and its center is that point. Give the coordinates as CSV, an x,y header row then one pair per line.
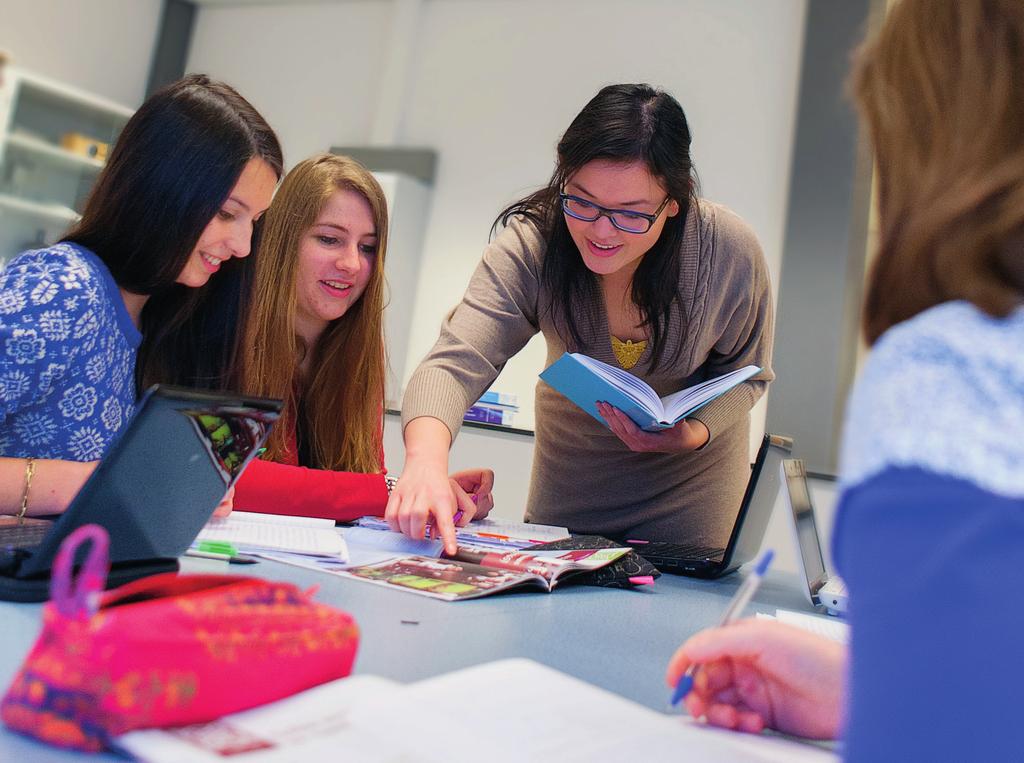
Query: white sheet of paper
x,y
310,726
502,712
538,533
830,627
368,546
250,532
518,710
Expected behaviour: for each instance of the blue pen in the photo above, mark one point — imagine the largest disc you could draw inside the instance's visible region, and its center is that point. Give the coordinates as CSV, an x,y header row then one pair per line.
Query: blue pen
x,y
739,602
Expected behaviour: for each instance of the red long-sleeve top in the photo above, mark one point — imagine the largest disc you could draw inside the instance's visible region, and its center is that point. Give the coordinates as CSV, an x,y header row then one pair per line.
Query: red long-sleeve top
x,y
272,487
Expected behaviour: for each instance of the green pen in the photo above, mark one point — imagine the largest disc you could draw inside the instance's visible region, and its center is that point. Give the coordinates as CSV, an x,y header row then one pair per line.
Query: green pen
x,y
229,558
217,547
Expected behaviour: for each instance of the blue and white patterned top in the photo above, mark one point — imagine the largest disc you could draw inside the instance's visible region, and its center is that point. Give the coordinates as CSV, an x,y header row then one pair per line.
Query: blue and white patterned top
x,y
67,355
942,391
929,536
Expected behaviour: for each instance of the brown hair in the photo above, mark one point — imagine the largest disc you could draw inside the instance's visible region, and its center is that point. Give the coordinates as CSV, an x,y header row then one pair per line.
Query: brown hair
x,y
941,89
344,388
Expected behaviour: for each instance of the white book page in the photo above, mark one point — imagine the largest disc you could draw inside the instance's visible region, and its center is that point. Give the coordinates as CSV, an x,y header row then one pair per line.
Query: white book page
x,y
261,534
632,386
519,710
830,627
310,726
679,402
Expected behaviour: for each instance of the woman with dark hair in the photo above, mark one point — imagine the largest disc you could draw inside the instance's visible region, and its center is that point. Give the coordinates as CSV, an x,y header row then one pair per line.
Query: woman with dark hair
x,y
618,259
124,300
315,339
932,467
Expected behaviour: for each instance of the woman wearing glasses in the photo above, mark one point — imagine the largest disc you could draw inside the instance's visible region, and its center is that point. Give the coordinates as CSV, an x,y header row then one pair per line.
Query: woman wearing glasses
x,y
615,258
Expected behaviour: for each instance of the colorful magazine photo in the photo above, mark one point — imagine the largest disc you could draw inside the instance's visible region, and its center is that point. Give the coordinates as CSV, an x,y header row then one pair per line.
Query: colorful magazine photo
x,y
474,573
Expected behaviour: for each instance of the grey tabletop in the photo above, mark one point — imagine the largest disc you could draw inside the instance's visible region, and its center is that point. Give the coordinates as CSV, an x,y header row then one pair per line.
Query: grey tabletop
x,y
619,640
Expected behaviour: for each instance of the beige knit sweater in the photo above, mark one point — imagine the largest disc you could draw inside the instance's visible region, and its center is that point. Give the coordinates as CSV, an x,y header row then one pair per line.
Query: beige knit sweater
x,y
584,477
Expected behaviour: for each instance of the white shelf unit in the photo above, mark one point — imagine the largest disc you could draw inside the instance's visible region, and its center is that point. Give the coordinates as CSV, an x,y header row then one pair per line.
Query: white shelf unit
x,y
43,185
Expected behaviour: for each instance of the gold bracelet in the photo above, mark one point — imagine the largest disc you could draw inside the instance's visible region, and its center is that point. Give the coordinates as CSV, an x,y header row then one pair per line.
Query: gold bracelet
x,y
30,469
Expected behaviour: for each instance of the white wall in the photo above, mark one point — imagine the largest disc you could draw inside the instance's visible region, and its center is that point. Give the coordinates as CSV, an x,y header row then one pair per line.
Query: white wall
x,y
493,84
103,46
309,69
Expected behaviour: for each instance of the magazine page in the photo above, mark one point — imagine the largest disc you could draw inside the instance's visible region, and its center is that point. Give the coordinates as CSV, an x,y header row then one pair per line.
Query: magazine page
x,y
448,579
548,564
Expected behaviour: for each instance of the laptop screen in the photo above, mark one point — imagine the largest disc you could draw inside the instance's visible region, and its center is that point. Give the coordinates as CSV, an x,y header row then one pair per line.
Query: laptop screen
x,y
795,475
158,484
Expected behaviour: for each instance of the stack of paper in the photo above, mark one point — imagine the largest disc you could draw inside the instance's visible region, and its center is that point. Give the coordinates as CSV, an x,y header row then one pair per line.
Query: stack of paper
x,y
524,711
278,537
830,627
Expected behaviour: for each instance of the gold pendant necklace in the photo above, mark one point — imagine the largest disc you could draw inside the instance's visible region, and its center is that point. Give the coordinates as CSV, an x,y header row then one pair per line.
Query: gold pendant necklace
x,y
628,353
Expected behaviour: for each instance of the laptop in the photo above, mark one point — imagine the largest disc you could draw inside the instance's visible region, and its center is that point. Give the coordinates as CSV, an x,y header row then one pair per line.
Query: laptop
x,y
748,529
159,482
823,590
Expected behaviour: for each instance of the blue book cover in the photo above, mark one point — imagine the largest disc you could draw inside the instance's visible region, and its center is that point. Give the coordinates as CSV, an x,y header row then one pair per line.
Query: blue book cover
x,y
585,381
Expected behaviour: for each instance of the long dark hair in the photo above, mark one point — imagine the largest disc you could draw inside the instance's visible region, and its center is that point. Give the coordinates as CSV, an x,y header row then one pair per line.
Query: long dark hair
x,y
622,123
172,167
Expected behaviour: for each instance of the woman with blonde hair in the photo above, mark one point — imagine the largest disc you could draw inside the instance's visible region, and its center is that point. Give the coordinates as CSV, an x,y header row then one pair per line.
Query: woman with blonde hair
x,y
314,337
929,532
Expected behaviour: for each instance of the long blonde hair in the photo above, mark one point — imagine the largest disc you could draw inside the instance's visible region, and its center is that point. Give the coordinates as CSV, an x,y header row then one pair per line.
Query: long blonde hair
x,y
343,392
941,89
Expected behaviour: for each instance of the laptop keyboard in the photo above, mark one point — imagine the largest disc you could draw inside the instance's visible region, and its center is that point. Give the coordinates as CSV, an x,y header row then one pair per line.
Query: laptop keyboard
x,y
679,551
27,533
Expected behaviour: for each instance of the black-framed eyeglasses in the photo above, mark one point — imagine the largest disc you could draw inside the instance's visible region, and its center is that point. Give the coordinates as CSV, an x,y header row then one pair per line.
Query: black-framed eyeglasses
x,y
625,220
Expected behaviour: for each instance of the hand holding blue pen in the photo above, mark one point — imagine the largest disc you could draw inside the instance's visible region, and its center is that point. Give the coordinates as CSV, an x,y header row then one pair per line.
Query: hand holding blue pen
x,y
739,602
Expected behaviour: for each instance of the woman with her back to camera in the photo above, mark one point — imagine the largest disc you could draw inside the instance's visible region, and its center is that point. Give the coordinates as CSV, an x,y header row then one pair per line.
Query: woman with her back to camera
x,y
137,292
314,338
618,259
929,531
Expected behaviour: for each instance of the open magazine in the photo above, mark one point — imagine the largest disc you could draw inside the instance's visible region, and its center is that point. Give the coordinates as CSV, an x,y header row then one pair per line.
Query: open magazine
x,y
472,573
585,381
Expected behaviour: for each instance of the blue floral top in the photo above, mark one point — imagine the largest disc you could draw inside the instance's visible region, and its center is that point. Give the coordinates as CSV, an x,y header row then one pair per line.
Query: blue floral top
x,y
929,537
67,355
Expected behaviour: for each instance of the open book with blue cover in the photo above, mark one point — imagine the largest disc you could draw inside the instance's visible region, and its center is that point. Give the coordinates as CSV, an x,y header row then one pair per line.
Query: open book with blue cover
x,y
585,381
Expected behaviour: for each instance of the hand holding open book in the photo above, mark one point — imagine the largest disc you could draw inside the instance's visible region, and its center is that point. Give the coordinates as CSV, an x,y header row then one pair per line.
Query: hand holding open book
x,y
585,381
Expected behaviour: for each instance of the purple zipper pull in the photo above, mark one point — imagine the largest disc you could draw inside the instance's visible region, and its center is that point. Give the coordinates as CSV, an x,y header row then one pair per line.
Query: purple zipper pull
x,y
79,598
